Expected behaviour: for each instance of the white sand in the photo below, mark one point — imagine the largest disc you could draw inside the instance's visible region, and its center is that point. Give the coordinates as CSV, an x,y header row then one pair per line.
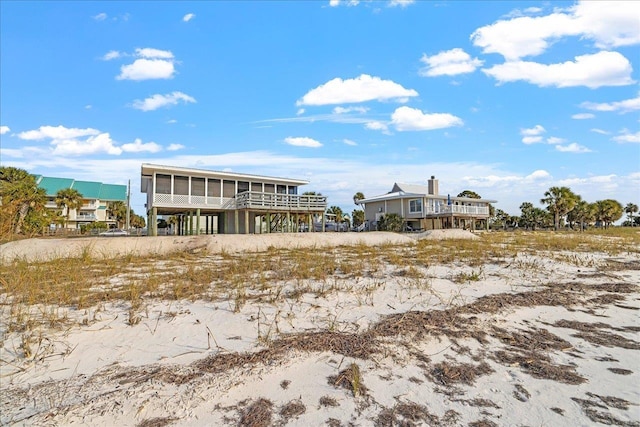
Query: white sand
x,y
107,372
45,249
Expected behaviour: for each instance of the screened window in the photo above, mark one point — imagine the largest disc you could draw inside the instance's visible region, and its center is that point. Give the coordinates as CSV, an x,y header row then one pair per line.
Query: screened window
x,y
181,185
293,190
243,186
415,206
163,184
256,186
282,189
229,189
269,188
213,188
197,186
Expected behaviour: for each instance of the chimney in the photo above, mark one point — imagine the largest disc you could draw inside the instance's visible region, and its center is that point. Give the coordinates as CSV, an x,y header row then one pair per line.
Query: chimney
x,y
433,186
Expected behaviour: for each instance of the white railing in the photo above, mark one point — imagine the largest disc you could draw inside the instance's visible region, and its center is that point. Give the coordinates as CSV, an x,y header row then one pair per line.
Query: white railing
x,y
459,209
186,201
260,200
85,216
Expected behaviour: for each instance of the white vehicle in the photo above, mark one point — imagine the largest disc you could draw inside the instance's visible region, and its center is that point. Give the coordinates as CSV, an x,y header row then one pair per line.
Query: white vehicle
x,y
114,232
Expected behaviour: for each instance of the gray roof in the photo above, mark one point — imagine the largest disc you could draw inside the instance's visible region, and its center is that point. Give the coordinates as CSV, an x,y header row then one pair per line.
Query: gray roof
x,y
405,191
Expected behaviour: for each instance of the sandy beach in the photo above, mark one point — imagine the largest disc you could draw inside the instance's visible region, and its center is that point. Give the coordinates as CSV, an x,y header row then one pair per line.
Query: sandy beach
x,y
334,329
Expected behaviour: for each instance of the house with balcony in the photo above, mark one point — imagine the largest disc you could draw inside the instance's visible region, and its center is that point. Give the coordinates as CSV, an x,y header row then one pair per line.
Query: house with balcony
x,y
207,202
96,197
422,208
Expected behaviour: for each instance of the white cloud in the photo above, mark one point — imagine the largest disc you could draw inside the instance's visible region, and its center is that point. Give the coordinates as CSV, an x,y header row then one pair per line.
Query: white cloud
x,y
412,119
349,142
532,135
555,140
88,107
158,101
188,17
137,146
593,71
600,131
334,3
538,174
300,112
624,106
175,147
449,63
56,133
376,125
531,139
172,121
151,53
100,17
4,129
360,89
302,141
346,110
112,54
101,143
608,24
626,136
582,116
146,69
572,148
401,3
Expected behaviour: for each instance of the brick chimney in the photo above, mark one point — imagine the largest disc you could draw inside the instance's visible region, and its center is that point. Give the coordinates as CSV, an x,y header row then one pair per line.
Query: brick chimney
x,y
433,186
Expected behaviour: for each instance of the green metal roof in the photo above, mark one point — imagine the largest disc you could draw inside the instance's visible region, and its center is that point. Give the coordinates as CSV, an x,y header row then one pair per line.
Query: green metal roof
x,y
88,189
113,192
53,185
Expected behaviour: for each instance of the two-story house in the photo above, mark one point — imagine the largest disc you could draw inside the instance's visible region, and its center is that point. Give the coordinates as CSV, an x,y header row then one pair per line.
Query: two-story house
x,y
207,202
422,208
96,198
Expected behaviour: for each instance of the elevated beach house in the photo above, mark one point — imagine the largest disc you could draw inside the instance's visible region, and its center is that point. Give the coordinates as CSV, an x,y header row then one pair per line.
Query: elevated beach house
x,y
422,208
206,202
96,198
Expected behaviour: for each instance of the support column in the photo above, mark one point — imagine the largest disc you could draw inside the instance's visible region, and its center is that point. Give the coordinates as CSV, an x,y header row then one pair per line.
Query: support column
x,y
324,223
154,221
236,222
288,228
246,221
268,222
198,222
310,221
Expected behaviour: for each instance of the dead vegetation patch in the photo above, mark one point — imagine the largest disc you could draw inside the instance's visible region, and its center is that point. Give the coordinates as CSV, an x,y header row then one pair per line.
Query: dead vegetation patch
x,y
409,414
620,371
539,365
482,423
157,422
521,393
328,401
596,334
445,373
258,414
591,408
349,379
293,409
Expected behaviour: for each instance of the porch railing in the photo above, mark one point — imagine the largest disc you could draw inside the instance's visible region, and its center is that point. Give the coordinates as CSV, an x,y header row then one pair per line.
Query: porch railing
x,y
458,209
244,200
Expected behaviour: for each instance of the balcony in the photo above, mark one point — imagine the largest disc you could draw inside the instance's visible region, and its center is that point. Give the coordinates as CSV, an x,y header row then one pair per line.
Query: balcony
x,y
265,201
245,200
85,216
458,210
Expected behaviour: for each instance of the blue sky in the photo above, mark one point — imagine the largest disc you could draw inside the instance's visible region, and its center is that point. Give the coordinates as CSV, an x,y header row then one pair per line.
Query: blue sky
x,y
503,98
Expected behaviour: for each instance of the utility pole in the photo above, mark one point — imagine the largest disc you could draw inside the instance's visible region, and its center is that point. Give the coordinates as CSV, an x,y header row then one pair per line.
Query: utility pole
x,y
128,204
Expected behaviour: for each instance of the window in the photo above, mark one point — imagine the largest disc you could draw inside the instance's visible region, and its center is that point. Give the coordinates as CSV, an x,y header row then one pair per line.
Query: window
x,y
197,186
163,184
213,188
229,188
243,186
415,206
181,185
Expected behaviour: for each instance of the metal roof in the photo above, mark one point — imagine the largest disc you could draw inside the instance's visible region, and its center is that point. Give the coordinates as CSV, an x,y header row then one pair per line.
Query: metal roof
x,y
88,189
404,191
148,170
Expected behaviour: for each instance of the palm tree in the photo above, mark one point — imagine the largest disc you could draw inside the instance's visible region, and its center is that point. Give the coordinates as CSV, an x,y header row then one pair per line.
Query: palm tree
x,y
358,217
337,212
559,201
608,211
582,213
69,199
19,196
630,209
117,210
469,194
357,197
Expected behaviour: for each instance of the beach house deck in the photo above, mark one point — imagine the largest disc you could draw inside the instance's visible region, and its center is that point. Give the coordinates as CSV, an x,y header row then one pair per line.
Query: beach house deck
x,y
207,202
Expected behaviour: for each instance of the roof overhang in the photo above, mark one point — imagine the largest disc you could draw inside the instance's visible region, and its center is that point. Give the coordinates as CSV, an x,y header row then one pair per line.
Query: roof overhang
x,y
150,169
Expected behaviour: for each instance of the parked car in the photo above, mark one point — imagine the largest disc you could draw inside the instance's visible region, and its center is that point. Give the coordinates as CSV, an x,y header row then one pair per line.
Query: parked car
x,y
114,232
